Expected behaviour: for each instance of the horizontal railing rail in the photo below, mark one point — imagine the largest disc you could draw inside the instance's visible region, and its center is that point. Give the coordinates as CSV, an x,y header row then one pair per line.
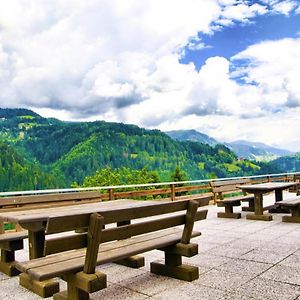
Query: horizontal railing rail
x,y
155,190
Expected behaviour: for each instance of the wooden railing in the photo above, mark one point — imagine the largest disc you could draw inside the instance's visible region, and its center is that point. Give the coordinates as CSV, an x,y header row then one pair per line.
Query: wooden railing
x,y
171,190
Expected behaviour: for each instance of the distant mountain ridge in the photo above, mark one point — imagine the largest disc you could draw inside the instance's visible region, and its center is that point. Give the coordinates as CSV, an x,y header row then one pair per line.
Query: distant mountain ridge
x,y
39,152
71,151
243,149
192,135
255,150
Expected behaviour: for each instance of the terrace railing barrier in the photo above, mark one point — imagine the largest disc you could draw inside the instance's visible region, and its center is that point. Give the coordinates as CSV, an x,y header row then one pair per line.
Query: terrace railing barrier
x,y
171,190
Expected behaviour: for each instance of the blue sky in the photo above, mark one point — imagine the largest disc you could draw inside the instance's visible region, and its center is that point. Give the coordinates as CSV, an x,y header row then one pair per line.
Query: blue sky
x,y
229,41
227,68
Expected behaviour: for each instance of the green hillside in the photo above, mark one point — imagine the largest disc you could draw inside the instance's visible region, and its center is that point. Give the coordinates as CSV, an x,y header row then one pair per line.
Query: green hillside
x,y
18,174
75,150
289,163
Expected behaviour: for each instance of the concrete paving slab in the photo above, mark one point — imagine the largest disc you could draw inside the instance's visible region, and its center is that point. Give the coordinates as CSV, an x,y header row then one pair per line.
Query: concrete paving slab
x,y
238,260
190,291
281,273
151,284
117,292
118,273
264,256
208,260
264,289
292,260
233,252
244,267
219,279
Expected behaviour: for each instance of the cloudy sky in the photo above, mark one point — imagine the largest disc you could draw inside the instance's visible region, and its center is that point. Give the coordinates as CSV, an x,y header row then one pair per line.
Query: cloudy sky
x,y
230,69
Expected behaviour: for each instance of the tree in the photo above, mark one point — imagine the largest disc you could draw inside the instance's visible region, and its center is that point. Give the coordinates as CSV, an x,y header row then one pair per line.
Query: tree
x,y
178,174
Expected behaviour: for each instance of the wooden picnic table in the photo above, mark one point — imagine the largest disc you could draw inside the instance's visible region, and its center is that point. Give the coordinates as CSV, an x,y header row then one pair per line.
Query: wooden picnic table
x,y
259,190
35,221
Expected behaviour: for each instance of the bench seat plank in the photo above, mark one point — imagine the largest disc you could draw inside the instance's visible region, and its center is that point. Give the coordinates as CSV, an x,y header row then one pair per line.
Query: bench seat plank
x,y
289,203
73,261
225,195
12,236
293,205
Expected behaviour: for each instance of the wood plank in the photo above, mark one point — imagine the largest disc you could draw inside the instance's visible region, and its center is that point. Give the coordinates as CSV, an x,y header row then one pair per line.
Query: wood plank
x,y
34,199
229,182
106,247
25,266
59,244
93,241
11,236
75,265
189,221
141,210
289,202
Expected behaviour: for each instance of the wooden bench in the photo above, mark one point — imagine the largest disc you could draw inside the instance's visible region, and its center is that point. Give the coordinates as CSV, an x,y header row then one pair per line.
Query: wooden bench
x,y
9,243
118,244
12,241
293,205
228,195
296,187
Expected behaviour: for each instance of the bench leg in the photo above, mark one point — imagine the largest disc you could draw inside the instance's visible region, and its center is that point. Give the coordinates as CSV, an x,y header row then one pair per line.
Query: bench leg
x,y
174,268
42,288
136,261
8,256
80,285
294,218
229,213
7,263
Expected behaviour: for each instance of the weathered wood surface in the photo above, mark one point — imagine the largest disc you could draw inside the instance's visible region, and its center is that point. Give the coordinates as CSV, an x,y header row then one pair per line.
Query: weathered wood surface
x,y
227,194
116,243
293,206
40,200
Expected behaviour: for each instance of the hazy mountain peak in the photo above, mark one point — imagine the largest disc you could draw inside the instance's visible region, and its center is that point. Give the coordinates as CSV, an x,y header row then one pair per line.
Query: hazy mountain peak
x,y
191,135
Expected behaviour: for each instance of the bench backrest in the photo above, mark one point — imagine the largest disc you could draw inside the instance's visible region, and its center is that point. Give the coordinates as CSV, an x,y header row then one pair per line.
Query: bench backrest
x,y
29,202
222,188
143,224
297,177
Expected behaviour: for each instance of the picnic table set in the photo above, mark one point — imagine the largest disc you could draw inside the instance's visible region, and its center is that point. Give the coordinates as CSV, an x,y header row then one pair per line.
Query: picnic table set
x,y
70,241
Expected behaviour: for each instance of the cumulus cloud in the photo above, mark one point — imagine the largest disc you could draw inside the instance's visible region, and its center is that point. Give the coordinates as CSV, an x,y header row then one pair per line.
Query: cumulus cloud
x,y
119,61
285,7
104,55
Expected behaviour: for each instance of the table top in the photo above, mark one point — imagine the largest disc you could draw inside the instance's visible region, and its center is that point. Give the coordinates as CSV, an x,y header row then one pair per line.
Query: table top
x,y
268,186
42,214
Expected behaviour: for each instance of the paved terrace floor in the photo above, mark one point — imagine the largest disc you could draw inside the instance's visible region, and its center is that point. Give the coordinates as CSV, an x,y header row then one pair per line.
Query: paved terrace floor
x,y
238,259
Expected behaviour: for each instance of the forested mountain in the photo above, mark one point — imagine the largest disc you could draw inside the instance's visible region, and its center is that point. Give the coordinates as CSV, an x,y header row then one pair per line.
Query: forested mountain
x,y
289,163
16,172
70,151
192,135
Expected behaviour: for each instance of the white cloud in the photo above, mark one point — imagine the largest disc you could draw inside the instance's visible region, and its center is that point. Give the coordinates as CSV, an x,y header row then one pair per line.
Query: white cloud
x,y
243,12
274,67
285,7
119,60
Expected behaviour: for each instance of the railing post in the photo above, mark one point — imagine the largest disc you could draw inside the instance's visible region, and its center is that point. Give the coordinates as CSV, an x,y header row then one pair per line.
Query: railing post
x,y
269,178
173,192
111,194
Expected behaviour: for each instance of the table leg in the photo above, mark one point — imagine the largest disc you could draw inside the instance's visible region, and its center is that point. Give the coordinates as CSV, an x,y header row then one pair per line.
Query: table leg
x,y
135,261
278,195
36,243
259,210
36,249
